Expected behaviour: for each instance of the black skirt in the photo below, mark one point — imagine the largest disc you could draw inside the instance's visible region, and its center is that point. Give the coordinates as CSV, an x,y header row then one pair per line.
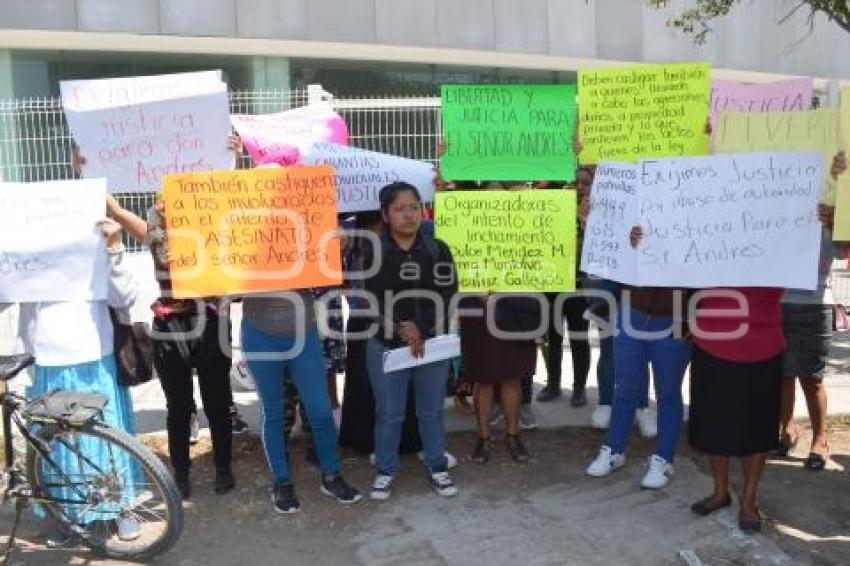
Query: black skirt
x,y
735,406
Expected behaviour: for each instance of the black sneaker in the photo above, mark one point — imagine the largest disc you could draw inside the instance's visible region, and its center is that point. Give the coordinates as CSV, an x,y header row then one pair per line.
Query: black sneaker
x,y
183,485
237,425
224,480
334,486
548,393
442,483
579,398
284,500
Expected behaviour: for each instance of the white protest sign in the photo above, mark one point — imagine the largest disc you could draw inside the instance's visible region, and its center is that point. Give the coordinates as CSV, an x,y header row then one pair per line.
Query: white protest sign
x,y
135,146
131,91
726,220
50,246
360,174
284,137
613,212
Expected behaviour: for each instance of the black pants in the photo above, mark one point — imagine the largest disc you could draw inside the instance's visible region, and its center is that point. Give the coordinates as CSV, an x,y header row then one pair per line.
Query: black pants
x,y
573,309
174,359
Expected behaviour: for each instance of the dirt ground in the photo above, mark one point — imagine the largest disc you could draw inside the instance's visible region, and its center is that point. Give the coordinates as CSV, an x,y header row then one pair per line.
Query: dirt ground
x,y
506,513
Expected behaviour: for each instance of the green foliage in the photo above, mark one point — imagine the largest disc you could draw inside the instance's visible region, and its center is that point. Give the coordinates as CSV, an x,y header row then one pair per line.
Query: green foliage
x,y
696,20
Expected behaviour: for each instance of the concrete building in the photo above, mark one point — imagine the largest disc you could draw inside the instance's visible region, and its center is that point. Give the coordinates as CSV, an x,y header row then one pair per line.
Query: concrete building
x,y
362,47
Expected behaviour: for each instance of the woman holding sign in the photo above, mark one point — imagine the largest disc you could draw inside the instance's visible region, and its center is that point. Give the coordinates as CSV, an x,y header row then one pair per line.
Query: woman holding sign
x,y
72,343
413,287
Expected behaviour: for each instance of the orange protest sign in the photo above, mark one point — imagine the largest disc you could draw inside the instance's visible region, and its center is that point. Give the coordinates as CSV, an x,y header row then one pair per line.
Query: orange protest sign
x,y
235,232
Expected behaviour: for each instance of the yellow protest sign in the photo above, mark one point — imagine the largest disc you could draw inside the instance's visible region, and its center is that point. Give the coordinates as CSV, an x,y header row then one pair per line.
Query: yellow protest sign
x,y
841,231
644,111
814,130
510,240
235,232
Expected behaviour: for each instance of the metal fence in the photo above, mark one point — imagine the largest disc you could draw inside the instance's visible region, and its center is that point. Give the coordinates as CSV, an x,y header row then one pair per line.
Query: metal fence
x,y
35,143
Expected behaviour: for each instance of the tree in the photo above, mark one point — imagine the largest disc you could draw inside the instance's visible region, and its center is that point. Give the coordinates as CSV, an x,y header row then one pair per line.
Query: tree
x,y
696,21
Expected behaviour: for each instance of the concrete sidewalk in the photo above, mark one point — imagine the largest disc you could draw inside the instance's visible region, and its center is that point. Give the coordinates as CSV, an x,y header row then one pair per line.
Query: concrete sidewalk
x,y
150,403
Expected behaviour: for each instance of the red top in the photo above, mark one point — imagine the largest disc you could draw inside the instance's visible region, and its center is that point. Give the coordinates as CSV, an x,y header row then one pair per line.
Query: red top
x,y
757,326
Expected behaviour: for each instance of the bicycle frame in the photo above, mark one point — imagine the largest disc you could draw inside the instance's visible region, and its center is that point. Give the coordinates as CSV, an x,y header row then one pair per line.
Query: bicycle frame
x,y
9,405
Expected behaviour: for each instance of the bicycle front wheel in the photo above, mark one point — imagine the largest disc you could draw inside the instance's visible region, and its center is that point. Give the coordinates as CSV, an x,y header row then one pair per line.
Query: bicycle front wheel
x,y
105,487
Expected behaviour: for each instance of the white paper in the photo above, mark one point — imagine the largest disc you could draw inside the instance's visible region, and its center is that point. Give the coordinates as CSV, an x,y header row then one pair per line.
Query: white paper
x,y
613,212
360,174
135,147
50,246
443,347
745,219
131,91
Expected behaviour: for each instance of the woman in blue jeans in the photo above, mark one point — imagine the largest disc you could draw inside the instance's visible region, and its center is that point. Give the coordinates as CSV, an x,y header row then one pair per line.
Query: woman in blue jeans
x,y
413,287
279,332
650,330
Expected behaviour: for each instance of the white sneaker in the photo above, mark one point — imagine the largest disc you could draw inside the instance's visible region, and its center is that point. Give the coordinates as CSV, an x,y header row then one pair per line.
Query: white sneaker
x,y
451,461
605,463
647,422
372,458
527,418
381,488
443,484
659,473
128,528
601,417
194,431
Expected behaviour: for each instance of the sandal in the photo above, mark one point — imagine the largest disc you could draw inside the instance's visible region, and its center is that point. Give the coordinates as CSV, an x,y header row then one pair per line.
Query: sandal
x,y
516,448
750,526
815,462
703,509
483,451
787,446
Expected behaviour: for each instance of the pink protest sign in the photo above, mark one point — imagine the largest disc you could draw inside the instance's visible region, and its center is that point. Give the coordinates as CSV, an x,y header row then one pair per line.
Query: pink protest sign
x,y
779,96
285,137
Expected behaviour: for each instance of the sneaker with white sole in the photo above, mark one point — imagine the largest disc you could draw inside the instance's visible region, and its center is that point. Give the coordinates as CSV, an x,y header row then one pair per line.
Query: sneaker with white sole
x,y
527,418
605,463
194,429
659,473
128,528
334,486
451,461
442,483
601,417
647,421
382,487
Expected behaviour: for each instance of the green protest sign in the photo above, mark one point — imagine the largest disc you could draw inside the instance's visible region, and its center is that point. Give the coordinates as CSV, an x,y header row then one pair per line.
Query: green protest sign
x,y
508,132
510,240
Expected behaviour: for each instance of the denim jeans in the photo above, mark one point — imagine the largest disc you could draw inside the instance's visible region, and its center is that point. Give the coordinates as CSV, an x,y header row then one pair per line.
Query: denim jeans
x,y
669,358
605,375
390,390
308,372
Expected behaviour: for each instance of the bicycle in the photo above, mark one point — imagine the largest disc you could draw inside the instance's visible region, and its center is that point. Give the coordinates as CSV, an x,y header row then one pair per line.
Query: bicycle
x,y
84,475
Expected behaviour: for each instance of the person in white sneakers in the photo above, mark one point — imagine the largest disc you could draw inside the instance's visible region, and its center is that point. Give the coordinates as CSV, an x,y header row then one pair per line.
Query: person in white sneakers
x,y
648,331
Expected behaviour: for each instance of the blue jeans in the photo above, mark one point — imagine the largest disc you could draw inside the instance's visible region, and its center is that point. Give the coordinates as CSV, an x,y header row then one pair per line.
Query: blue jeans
x,y
669,358
605,366
308,372
390,390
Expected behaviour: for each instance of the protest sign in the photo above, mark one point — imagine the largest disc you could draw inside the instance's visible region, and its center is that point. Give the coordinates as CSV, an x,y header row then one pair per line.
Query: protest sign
x,y
510,240
841,231
98,94
643,111
812,130
284,137
134,146
235,232
724,220
613,212
360,174
50,245
508,132
778,96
